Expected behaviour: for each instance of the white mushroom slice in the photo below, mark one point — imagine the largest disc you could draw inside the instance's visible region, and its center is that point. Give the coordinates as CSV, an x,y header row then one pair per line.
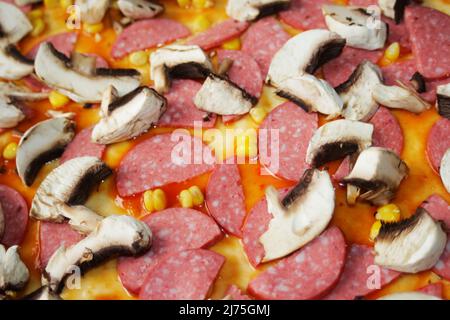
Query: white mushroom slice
x,y
16,92
248,10
26,2
11,114
114,236
378,173
412,245
13,272
304,53
60,114
352,23
92,11
14,24
399,97
337,139
129,116
57,71
44,294
2,221
445,170
178,61
443,100
221,96
412,295
312,94
13,65
356,92
69,185
300,217
40,144
139,9
393,9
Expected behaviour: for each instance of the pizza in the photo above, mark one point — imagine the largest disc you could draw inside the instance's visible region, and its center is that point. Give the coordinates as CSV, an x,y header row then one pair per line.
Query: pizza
x,y
235,150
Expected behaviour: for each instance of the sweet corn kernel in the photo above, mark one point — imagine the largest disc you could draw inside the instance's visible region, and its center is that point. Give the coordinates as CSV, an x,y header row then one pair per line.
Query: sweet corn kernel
x,y
197,195
201,4
186,199
159,200
148,200
36,13
375,230
184,3
57,99
139,58
234,44
200,23
51,3
93,28
258,114
9,153
38,27
388,213
247,144
392,52
65,3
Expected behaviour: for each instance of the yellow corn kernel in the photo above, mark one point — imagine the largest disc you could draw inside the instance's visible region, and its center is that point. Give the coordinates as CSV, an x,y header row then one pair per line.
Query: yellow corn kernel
x,y
38,27
200,23
247,144
201,4
159,200
9,153
36,13
234,44
57,99
388,213
186,199
93,28
65,3
197,195
392,52
375,230
51,3
148,200
139,58
258,114
184,3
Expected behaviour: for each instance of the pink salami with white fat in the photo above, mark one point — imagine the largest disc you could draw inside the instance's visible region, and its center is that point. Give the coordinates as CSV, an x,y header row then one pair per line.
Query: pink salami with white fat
x,y
434,289
185,275
439,209
225,198
438,142
442,268
15,212
305,14
387,132
173,230
63,42
308,274
82,146
234,293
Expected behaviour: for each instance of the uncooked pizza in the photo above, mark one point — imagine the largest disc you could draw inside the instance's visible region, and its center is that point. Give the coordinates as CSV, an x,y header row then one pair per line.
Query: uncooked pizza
x,y
224,150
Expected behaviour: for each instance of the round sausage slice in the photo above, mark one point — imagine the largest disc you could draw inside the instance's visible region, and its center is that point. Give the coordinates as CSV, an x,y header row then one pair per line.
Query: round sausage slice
x,y
15,212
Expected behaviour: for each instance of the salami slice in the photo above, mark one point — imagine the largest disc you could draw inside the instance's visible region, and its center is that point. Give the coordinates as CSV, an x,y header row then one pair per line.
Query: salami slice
x,y
307,274
438,208
146,34
305,14
262,40
63,42
219,33
185,275
430,94
434,289
82,146
387,132
355,279
234,293
343,170
52,236
442,268
35,84
438,142
295,128
173,230
15,212
244,71
181,110
228,208
428,28
399,71
161,160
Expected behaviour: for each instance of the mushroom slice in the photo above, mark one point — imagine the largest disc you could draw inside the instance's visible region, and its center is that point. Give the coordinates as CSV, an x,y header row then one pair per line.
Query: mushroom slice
x,y
11,114
221,96
356,92
393,9
337,139
445,170
41,143
92,11
399,97
129,116
412,245
139,9
43,293
305,52
377,173
58,72
351,23
443,100
13,65
2,221
14,274
178,61
410,295
312,94
114,236
14,24
65,189
248,10
300,217
16,92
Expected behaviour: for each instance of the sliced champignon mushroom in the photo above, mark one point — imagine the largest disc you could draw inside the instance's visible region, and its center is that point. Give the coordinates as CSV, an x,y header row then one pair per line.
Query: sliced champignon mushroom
x,y
393,9
114,236
139,9
377,175
92,11
11,114
14,274
14,24
221,96
304,53
399,97
13,91
312,94
178,61
445,170
356,92
412,245
2,222
248,10
410,295
337,139
352,23
62,193
13,65
43,142
300,217
443,100
129,116
44,294
58,72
